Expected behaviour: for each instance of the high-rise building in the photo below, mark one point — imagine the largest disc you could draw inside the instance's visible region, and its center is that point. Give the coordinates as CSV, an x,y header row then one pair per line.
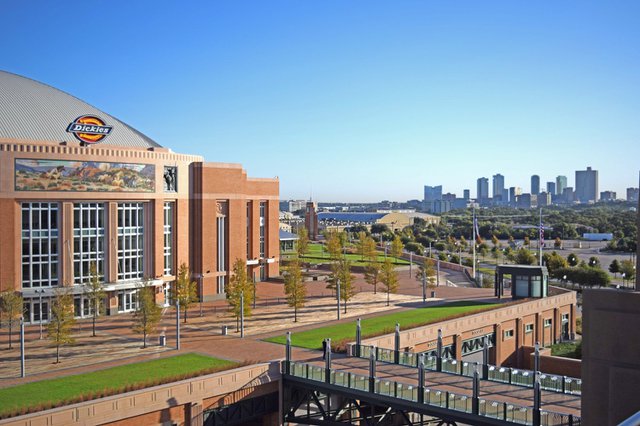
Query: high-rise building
x,y
568,196
498,186
632,194
544,199
432,193
514,193
535,185
527,201
587,185
482,191
551,188
561,184
466,194
608,196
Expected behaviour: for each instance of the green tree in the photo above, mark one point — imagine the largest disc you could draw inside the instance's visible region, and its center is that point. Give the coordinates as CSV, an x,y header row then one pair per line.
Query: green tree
x,y
362,244
572,259
397,247
483,249
372,274
427,271
494,240
303,242
557,243
294,287
524,257
61,321
628,269
341,270
148,314
554,261
614,267
594,262
527,241
95,294
184,290
334,244
389,278
11,306
240,288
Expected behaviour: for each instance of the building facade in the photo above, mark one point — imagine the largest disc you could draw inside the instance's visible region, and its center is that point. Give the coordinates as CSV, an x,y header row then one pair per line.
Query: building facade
x,y
586,186
535,185
83,194
561,184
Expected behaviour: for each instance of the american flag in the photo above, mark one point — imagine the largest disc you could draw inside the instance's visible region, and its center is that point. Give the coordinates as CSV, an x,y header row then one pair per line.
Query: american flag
x,y
541,234
475,225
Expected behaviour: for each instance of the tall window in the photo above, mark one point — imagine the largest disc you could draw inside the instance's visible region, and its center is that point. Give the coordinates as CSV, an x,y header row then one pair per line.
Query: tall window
x,y
221,261
88,240
249,230
168,238
263,208
39,244
130,241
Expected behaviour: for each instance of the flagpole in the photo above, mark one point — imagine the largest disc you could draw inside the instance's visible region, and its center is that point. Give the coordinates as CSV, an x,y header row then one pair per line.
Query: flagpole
x,y
540,238
473,225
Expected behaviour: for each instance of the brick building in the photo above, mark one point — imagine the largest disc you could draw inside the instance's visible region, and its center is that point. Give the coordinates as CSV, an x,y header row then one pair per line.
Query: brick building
x,y
78,187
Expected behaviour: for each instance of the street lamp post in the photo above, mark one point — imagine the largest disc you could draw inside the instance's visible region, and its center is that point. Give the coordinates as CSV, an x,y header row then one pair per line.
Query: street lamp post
x,y
40,291
201,292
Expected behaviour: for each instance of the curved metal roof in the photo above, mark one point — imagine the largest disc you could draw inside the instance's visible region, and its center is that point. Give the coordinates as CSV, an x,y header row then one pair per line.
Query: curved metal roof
x,y
35,111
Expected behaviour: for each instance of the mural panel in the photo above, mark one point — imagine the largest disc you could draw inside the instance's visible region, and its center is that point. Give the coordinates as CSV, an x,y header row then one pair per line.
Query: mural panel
x,y
83,176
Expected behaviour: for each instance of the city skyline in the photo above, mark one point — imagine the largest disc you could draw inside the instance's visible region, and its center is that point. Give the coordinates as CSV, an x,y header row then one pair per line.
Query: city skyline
x,y
358,101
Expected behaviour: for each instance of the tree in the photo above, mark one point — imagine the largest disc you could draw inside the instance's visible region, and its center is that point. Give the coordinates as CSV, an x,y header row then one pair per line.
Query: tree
x,y
148,314
483,249
427,272
372,274
362,244
628,269
524,257
494,240
527,241
11,306
557,243
61,321
184,290
389,278
334,244
341,270
95,294
572,259
294,287
594,262
614,267
240,289
303,242
397,247
554,261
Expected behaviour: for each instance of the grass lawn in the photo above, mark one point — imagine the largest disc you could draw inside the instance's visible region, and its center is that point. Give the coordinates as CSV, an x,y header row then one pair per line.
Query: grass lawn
x,y
312,339
55,392
567,350
315,255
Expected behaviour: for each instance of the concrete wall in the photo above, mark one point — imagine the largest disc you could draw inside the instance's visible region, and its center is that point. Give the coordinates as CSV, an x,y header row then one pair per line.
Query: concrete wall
x,y
511,317
179,402
552,364
610,356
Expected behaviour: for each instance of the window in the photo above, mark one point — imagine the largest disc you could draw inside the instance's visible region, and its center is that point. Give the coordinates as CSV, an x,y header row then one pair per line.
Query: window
x,y
249,256
547,322
508,334
40,245
130,241
263,208
168,238
528,328
221,247
565,317
127,300
88,241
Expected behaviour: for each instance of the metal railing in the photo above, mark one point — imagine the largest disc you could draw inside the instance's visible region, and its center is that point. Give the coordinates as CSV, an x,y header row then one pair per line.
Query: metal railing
x,y
512,376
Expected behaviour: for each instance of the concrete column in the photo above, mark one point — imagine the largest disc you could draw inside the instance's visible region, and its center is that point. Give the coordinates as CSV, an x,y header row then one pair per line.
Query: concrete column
x,y
66,251
539,330
497,349
457,345
572,321
111,243
193,414
519,335
555,330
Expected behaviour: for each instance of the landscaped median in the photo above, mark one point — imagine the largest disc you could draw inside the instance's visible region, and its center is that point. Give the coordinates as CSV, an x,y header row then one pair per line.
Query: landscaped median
x,y
340,334
45,394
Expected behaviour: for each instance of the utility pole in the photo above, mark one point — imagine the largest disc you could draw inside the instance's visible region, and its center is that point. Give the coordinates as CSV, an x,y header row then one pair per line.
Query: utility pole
x,y
338,296
474,225
177,324
242,314
540,238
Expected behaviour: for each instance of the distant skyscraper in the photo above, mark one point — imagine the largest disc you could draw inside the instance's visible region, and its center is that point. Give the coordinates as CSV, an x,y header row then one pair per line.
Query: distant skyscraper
x,y
482,191
498,186
551,188
587,185
632,194
561,184
535,185
568,196
432,193
608,196
514,193
466,194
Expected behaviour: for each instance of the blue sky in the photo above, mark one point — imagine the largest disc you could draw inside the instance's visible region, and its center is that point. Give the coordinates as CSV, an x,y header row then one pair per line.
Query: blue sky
x,y
355,100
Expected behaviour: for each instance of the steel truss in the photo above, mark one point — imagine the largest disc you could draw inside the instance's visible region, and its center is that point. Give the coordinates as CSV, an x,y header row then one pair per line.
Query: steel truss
x,y
315,403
